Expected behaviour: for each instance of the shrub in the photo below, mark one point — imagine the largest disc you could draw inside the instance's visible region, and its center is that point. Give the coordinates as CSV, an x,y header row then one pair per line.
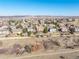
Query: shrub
x,y
24,30
28,48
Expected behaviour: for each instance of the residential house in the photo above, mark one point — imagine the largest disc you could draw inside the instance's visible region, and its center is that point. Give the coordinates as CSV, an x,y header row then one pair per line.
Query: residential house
x,y
52,30
40,28
64,29
77,29
4,31
31,29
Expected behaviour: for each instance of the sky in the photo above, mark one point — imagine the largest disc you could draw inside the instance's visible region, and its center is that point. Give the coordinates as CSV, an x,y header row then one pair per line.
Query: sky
x,y
39,7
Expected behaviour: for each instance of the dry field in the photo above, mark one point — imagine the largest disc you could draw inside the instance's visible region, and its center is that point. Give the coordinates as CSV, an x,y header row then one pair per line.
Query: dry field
x,y
60,54
48,54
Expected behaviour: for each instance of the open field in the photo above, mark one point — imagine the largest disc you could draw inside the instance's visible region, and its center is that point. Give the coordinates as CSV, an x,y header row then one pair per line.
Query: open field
x,y
67,54
49,54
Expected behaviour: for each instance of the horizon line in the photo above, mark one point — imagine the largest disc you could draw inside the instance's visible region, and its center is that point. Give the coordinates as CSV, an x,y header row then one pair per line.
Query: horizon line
x,y
42,15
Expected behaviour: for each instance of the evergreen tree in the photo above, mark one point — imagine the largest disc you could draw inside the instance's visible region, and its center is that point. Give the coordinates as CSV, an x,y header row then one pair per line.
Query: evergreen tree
x,y
29,33
45,30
